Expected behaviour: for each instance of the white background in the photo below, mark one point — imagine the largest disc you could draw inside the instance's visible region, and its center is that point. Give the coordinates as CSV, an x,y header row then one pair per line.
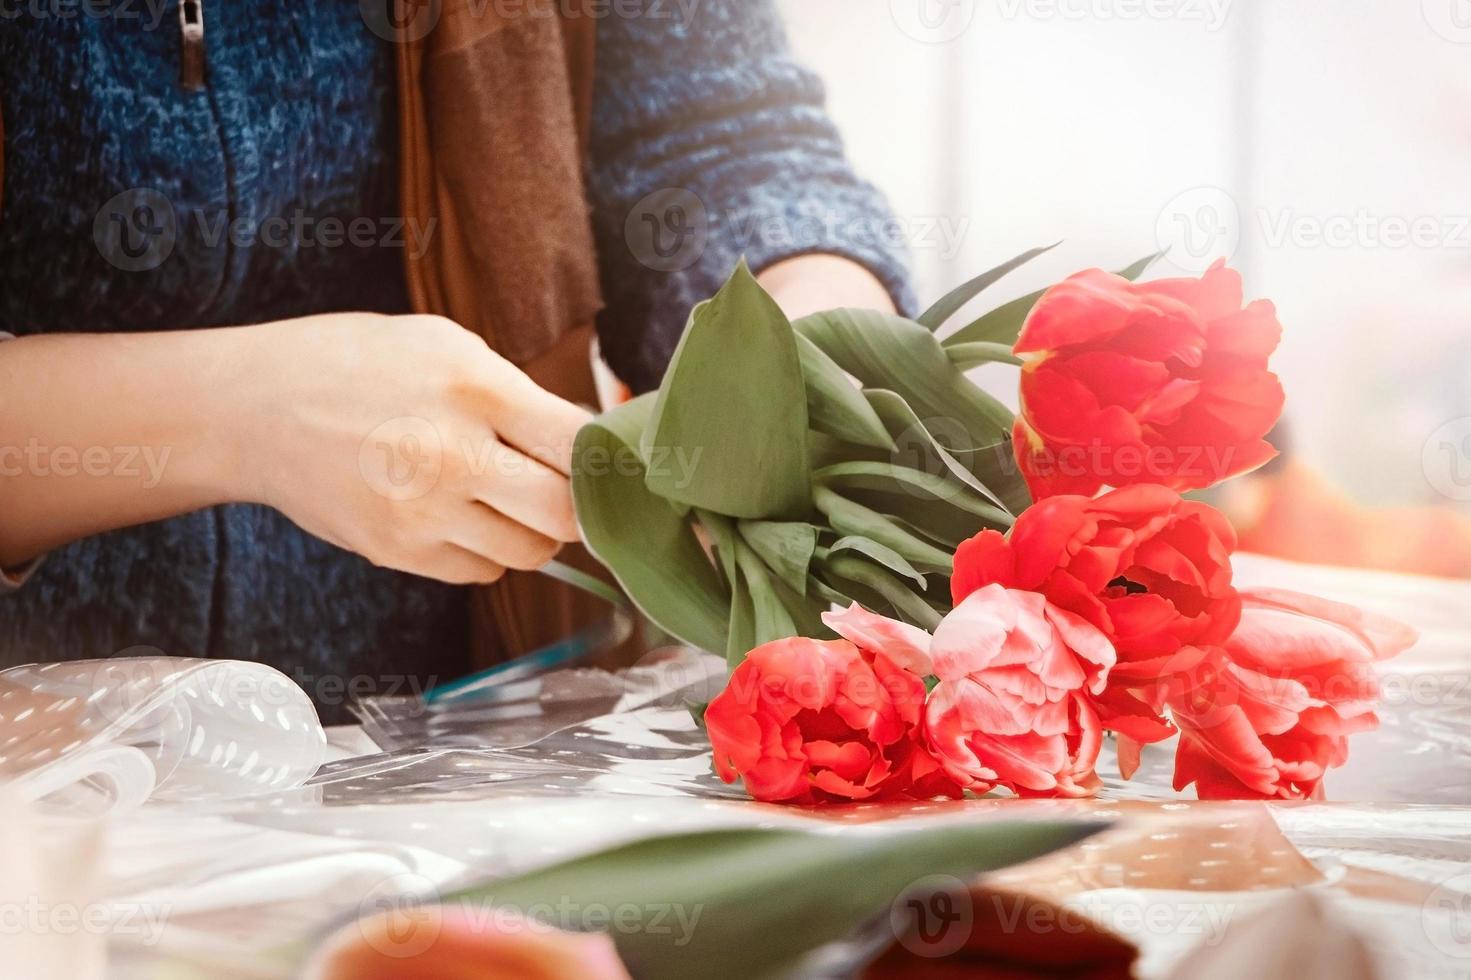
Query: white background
x,y
1303,139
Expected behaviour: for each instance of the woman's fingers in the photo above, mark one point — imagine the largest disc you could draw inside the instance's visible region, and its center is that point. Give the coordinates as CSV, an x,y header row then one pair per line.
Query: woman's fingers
x,y
497,538
531,493
537,422
459,566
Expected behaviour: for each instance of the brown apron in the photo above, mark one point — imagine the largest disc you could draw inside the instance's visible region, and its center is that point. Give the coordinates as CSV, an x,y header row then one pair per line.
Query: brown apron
x,y
493,114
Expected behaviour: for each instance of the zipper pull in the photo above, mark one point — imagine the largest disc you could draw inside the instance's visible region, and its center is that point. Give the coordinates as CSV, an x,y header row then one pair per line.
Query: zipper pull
x,y
191,33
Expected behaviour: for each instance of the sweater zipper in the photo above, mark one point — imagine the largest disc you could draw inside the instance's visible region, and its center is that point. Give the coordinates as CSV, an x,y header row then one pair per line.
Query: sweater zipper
x,y
191,34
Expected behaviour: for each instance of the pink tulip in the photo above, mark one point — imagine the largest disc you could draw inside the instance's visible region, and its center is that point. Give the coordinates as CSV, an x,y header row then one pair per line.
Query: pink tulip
x,y
1013,705
1270,712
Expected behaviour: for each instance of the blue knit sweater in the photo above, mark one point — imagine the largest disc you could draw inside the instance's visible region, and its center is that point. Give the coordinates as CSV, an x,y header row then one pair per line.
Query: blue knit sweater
x,y
293,136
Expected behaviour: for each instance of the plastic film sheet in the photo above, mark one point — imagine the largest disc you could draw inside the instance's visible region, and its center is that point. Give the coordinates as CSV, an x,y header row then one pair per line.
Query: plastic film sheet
x,y
510,776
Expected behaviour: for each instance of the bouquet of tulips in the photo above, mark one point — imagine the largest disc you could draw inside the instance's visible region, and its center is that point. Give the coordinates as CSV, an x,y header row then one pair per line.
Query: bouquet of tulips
x,y
920,595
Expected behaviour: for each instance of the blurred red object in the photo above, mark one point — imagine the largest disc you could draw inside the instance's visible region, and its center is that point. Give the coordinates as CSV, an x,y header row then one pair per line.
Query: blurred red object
x,y
996,934
433,942
1295,513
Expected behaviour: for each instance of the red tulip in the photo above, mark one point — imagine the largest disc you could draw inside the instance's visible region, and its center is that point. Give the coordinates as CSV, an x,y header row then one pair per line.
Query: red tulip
x,y
1270,712
1148,568
1131,383
821,721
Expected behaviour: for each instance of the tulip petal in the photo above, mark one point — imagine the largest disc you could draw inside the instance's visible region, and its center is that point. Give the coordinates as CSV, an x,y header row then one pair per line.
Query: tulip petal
x,y
906,645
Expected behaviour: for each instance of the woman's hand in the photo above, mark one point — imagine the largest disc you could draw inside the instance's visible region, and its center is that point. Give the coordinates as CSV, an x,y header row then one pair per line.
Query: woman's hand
x,y
409,441
402,438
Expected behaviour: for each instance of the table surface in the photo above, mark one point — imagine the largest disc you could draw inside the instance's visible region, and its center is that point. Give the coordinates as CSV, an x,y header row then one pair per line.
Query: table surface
x,y
1390,852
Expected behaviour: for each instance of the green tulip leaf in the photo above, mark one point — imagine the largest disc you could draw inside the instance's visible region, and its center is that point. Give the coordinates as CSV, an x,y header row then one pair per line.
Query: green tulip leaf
x,y
996,467
850,518
651,550
785,546
919,486
1004,324
806,609
951,302
882,554
940,524
741,638
724,904
772,621
1135,269
914,438
834,403
907,605
843,594
972,355
889,352
729,427
740,629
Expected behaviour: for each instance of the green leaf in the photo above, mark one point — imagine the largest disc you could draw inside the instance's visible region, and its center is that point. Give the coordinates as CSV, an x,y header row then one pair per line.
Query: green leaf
x,y
723,904
834,404
740,627
1004,324
721,533
917,442
785,546
806,609
850,518
889,352
995,466
843,593
729,428
661,566
882,554
741,638
590,584
940,524
1000,326
772,621
627,421
976,353
697,712
907,605
951,302
918,486
1134,270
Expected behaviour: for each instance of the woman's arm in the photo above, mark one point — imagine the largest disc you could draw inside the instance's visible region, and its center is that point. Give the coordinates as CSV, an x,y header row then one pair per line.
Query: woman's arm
x,y
711,143
104,431
404,439
813,283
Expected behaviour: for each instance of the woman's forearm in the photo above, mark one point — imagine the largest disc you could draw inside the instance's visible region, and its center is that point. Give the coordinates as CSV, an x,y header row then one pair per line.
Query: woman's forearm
x,y
813,283
404,439
105,431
